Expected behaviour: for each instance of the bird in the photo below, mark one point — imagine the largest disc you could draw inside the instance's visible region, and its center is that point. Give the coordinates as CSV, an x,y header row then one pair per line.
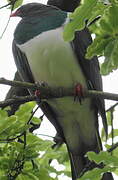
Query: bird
x,y
42,55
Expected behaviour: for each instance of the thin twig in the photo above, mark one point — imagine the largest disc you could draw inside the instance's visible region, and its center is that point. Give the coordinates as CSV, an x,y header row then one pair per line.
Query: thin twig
x,y
25,139
5,5
11,3
33,114
45,135
5,28
112,127
11,139
113,147
112,107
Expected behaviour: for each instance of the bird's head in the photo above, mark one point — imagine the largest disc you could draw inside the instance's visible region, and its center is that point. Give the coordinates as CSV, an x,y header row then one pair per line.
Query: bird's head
x,y
32,9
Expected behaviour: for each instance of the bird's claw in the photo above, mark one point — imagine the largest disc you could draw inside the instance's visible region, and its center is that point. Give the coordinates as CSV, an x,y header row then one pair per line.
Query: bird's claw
x,y
79,94
37,92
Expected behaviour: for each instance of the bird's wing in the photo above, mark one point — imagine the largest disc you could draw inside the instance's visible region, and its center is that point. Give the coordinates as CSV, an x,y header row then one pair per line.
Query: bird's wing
x,y
90,69
26,75
22,64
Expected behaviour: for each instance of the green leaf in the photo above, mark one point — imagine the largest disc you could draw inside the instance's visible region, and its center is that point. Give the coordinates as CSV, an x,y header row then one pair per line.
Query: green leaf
x,y
27,176
25,111
17,3
78,18
97,47
30,176
109,115
104,157
16,124
96,174
2,175
111,54
105,29
7,124
36,120
97,11
115,133
106,40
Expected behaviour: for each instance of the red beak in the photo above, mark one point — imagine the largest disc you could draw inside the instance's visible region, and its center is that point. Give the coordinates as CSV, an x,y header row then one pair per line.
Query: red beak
x,y
14,14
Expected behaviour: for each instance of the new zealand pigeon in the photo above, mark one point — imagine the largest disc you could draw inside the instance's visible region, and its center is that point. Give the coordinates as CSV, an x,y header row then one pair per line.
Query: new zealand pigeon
x,y
41,55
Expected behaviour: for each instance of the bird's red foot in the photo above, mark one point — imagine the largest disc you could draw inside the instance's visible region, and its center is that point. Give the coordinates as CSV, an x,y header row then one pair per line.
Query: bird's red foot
x,y
37,94
79,94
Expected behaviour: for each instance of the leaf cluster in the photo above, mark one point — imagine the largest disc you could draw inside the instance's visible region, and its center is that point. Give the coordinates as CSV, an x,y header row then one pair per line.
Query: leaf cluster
x,y
102,20
108,158
24,155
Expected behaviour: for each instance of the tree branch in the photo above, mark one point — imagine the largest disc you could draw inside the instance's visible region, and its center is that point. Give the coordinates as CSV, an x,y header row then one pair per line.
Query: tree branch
x,y
19,84
17,100
48,93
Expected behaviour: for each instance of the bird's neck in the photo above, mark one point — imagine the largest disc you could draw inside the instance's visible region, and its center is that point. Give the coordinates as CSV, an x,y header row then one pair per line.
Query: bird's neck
x,y
32,26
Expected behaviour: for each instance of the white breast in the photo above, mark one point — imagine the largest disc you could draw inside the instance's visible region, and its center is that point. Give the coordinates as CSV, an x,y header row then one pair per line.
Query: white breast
x,y
52,60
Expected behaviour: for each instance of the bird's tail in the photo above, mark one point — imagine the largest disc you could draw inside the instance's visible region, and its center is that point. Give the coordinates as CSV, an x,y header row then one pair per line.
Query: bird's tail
x,y
107,176
77,165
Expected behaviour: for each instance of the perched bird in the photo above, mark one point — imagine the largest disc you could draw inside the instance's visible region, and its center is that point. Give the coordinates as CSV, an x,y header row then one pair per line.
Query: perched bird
x,y
41,55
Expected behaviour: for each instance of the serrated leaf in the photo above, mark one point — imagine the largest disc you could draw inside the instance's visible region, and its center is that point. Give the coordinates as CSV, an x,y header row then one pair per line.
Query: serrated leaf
x,y
36,120
6,125
3,114
111,54
106,41
97,47
104,157
78,18
97,11
4,162
96,174
27,176
25,108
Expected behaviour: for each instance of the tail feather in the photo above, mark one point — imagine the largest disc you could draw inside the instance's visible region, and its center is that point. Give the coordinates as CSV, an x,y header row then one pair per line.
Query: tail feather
x,y
107,176
77,165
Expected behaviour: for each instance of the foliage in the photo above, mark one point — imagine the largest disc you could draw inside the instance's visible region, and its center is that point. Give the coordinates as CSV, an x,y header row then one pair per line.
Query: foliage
x,y
15,4
102,20
109,160
24,155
